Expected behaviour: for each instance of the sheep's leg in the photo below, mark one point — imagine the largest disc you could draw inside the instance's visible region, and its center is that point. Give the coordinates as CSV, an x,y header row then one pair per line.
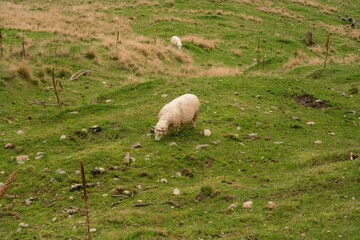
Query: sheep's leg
x,y
194,120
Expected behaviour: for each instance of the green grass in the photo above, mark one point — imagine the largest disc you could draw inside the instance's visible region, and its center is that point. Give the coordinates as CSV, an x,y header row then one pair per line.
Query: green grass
x,y
315,187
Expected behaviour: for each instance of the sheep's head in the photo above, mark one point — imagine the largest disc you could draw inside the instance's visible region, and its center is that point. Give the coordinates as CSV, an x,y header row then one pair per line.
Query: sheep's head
x,y
179,45
159,132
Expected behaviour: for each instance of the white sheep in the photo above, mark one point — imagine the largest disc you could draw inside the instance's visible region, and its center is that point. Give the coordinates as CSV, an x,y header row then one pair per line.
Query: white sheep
x,y
180,111
176,42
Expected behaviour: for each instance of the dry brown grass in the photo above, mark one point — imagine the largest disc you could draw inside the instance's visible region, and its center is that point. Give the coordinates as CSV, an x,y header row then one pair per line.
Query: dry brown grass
x,y
201,42
283,12
315,61
24,71
293,62
323,8
172,19
237,52
350,58
300,54
342,31
317,50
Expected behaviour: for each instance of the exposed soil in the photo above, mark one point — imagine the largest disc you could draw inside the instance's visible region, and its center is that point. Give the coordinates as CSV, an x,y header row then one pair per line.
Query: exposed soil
x,y
309,101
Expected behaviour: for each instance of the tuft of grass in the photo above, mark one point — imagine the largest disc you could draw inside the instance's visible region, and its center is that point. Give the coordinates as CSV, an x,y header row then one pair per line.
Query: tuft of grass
x,y
90,54
24,71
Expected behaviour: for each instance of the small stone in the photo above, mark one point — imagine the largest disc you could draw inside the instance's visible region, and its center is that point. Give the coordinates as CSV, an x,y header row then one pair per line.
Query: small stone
x,y
77,172
92,230
9,146
105,195
207,133
74,112
164,95
60,171
147,157
331,134
271,205
20,162
258,96
149,135
39,157
40,153
22,158
295,118
2,172
108,101
1,184
267,138
247,204
278,143
318,142
71,198
178,174
136,145
63,137
139,187
53,180
238,128
23,224
126,192
352,112
318,102
28,201
163,180
173,144
139,201
176,192
20,132
202,146
310,123
95,129
54,219
232,206
253,136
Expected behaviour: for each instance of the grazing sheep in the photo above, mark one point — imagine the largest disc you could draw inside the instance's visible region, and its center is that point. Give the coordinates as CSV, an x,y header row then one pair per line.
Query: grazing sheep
x,y
180,111
176,42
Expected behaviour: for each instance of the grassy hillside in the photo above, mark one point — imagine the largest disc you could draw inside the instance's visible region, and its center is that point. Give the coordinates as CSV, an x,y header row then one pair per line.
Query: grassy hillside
x,y
257,81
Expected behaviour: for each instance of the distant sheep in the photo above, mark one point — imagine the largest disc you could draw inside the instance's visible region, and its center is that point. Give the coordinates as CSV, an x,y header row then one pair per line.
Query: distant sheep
x,y
176,42
180,111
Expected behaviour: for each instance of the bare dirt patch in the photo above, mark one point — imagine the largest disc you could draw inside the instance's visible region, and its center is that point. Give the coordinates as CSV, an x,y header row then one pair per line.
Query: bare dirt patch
x,y
309,101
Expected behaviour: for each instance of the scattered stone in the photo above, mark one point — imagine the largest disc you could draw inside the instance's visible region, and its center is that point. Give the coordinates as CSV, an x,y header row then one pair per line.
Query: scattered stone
x,y
215,143
53,180
128,159
295,118
178,174
318,142
238,128
72,210
163,180
20,132
267,138
71,198
74,112
139,187
202,146
20,162
126,192
23,224
207,133
253,136
353,156
173,144
22,158
2,172
39,155
176,192
29,201
331,133
78,186
271,205
310,123
139,201
63,137
77,172
60,171
149,135
352,112
232,136
247,204
19,149
229,198
1,184
9,146
95,129
232,206
278,143
108,101
98,170
258,96
105,195
54,219
164,95
113,168
136,145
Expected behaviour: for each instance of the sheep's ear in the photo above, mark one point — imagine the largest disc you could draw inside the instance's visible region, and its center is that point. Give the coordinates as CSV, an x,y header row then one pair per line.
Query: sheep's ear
x,y
152,129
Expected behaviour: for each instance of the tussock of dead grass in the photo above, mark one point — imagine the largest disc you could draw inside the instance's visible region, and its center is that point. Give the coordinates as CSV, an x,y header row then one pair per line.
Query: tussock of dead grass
x,y
24,71
172,19
283,12
317,50
237,52
315,61
216,71
350,58
293,62
201,42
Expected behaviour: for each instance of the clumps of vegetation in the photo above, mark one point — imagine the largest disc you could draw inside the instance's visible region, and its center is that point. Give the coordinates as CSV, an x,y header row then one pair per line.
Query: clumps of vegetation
x,y
350,58
283,12
63,72
206,191
354,90
24,71
200,42
169,3
90,54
